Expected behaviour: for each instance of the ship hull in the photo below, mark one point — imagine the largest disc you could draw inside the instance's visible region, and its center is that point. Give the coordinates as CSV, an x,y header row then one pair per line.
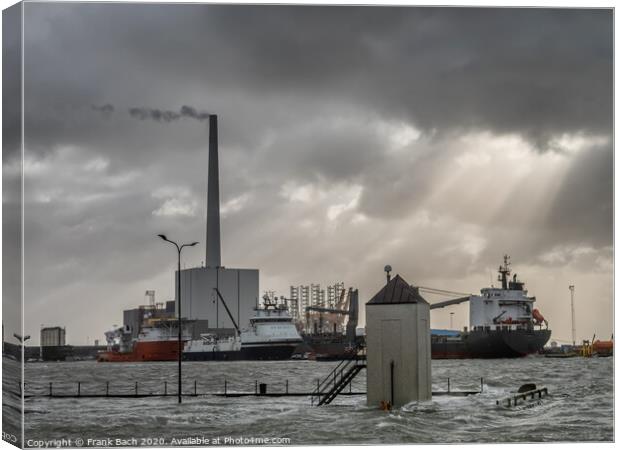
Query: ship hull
x,y
269,352
490,344
144,351
232,355
254,352
328,347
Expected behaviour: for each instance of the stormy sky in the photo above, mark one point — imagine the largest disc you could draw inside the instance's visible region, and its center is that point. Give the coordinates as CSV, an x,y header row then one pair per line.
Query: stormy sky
x,y
431,139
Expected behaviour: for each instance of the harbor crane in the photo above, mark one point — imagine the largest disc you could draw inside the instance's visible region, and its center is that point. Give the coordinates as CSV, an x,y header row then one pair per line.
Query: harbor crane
x,y
232,319
462,297
339,310
348,308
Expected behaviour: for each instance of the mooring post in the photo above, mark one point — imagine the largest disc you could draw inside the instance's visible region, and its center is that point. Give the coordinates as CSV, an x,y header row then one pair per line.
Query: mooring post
x,y
448,385
481,384
79,388
256,387
165,387
50,388
225,386
107,388
287,386
195,391
136,389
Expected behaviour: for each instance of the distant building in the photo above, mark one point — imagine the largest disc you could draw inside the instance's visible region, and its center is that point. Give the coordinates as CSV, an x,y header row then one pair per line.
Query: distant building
x,y
294,303
317,295
313,295
52,336
334,294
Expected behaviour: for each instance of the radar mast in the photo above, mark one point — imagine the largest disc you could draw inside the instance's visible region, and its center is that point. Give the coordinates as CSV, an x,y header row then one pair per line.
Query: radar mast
x,y
504,272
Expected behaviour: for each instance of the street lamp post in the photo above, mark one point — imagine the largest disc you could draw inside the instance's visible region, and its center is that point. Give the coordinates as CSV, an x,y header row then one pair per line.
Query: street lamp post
x,y
572,311
22,342
179,248
451,316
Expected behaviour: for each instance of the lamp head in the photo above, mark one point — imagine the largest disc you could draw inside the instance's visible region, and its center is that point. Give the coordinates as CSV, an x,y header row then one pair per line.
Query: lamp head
x,y
163,236
387,270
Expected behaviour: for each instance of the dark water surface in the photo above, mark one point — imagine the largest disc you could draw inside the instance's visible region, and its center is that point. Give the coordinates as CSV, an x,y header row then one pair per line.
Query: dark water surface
x,y
579,408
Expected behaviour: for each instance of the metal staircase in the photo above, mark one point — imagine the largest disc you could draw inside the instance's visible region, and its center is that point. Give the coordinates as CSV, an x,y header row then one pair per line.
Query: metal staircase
x,y
338,379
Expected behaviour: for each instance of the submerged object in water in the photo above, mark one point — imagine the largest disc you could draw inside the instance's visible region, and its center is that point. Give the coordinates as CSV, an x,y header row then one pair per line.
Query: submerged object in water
x,y
527,394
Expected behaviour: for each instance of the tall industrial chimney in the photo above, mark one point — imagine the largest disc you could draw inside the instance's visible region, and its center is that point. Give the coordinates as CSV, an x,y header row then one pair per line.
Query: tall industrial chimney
x,y
213,199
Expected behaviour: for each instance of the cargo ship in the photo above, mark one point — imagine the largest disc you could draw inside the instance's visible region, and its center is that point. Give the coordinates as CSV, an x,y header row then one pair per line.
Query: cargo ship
x,y
328,346
323,345
503,324
271,335
157,340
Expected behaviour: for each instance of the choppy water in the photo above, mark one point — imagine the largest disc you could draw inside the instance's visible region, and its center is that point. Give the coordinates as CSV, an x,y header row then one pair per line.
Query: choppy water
x,y
579,408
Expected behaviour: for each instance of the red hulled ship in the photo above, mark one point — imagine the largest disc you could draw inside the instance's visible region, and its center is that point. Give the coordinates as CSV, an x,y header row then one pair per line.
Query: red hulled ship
x,y
158,340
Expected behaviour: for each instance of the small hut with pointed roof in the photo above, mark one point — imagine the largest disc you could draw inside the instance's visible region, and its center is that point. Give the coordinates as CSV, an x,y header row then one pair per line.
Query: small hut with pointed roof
x,y
398,345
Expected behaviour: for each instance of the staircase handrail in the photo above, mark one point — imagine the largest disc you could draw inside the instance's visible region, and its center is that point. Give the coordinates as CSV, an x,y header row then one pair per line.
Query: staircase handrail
x,y
360,353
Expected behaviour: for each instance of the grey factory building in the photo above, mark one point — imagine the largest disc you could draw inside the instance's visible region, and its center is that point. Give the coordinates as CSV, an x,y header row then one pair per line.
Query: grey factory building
x,y
52,336
239,287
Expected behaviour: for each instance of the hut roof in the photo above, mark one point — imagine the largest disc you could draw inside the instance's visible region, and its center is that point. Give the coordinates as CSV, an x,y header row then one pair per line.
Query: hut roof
x,y
397,291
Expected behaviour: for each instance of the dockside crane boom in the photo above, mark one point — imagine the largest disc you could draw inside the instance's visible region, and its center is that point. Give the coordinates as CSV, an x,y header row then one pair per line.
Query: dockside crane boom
x,y
455,301
227,310
327,310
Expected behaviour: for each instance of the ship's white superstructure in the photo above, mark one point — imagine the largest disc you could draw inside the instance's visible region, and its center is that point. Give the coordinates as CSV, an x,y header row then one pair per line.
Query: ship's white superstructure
x,y
209,342
164,330
271,334
502,308
271,325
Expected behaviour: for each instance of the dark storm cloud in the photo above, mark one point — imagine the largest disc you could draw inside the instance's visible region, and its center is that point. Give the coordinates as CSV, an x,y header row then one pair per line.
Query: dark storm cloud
x,y
537,72
585,201
11,79
339,131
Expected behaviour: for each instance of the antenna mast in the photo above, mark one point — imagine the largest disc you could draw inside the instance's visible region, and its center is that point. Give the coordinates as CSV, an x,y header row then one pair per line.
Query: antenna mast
x,y
504,272
151,295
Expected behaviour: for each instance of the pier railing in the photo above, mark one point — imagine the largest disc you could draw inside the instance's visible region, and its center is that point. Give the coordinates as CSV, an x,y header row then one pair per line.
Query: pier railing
x,y
162,388
338,380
